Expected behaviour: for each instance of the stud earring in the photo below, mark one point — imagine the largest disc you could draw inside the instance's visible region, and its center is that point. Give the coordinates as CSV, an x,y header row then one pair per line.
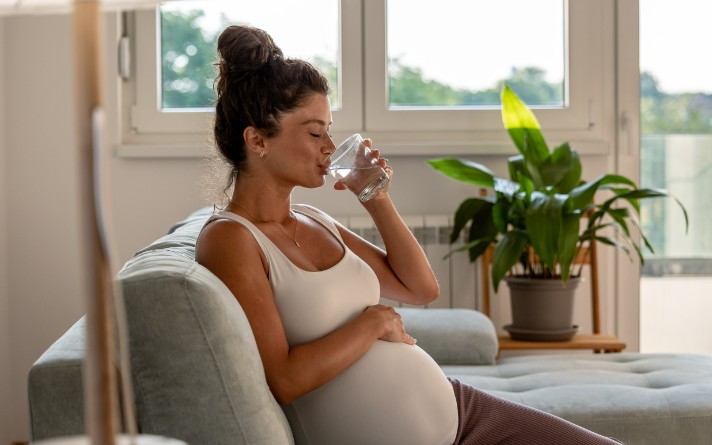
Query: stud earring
x,y
262,154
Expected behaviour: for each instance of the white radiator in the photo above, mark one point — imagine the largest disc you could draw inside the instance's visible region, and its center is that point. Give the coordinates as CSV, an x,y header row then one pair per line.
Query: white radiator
x,y
458,278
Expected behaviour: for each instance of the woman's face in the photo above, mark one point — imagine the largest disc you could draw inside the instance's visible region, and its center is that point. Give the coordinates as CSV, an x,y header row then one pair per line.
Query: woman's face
x,y
298,154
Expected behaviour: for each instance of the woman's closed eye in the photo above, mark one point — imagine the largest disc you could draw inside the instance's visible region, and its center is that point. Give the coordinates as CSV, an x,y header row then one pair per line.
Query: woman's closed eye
x,y
318,135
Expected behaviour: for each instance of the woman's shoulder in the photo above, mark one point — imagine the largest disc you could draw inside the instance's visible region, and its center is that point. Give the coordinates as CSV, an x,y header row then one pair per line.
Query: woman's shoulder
x,y
225,224
225,235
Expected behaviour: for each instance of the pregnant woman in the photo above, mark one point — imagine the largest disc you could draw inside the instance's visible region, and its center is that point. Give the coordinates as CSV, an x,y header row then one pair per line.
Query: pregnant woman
x,y
341,365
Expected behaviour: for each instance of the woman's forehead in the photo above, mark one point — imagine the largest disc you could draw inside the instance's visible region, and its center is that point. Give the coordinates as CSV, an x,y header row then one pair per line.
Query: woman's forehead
x,y
315,110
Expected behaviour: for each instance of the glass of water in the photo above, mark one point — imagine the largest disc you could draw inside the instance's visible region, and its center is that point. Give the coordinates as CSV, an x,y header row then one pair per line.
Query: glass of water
x,y
353,164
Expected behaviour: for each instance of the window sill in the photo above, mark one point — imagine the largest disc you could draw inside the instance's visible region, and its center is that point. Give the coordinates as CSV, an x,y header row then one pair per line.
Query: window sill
x,y
388,148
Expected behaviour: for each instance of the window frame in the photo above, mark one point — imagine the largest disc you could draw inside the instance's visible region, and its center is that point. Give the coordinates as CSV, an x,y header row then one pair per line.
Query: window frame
x,y
363,85
147,117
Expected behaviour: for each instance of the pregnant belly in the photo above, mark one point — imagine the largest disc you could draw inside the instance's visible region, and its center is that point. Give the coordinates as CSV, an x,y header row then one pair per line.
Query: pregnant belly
x,y
395,394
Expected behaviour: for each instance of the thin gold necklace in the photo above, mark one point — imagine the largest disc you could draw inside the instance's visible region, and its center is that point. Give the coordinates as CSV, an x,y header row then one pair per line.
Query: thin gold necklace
x,y
279,226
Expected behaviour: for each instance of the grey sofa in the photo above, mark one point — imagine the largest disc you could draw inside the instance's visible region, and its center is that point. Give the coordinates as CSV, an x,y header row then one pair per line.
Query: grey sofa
x,y
197,375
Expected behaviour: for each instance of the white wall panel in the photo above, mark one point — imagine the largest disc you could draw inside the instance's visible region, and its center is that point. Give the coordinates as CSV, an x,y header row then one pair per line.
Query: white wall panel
x,y
44,279
5,411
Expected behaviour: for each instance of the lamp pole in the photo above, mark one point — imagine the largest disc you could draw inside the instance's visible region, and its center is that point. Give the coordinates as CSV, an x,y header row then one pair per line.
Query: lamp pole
x,y
100,396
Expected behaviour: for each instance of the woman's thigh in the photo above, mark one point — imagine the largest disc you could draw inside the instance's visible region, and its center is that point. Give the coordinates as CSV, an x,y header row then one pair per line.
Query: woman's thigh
x,y
486,419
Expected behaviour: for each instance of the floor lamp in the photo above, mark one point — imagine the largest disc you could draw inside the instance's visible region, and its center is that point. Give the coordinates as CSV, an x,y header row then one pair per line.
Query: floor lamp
x,y
100,380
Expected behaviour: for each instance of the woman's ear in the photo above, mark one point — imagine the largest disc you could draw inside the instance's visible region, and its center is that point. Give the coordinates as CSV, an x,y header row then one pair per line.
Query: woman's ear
x,y
254,140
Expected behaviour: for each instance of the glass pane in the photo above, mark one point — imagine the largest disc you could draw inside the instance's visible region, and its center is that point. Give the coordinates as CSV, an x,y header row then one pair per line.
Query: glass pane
x,y
676,153
676,126
308,29
457,53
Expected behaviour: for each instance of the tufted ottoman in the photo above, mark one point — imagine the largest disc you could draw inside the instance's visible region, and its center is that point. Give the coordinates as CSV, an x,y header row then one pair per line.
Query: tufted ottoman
x,y
641,399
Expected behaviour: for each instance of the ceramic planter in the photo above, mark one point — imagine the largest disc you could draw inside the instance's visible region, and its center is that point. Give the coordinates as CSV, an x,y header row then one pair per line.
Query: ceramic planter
x,y
542,309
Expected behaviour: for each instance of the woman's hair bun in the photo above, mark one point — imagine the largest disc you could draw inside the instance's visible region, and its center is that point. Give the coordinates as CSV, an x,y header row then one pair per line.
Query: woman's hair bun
x,y
243,49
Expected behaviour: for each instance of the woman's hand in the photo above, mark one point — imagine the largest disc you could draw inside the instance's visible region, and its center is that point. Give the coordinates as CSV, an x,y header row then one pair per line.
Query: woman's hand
x,y
390,324
383,162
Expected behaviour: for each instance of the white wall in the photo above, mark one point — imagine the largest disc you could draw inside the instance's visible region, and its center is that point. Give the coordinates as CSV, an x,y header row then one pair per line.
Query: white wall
x,y
44,295
674,314
5,408
45,292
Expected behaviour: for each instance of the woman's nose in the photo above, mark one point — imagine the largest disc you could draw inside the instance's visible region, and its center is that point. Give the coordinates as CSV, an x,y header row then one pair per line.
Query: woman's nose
x,y
329,147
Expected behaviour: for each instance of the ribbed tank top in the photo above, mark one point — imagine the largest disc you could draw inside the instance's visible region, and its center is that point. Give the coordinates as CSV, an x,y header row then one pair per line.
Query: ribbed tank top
x,y
395,394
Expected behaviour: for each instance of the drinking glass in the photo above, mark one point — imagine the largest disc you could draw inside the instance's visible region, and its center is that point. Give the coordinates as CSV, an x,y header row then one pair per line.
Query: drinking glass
x,y
353,164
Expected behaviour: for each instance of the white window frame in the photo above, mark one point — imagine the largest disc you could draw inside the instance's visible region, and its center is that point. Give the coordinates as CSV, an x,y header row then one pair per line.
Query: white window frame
x,y
363,84
581,118
145,117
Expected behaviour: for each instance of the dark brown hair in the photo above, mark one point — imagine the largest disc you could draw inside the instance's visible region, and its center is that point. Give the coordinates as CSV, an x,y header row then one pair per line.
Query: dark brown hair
x,y
255,85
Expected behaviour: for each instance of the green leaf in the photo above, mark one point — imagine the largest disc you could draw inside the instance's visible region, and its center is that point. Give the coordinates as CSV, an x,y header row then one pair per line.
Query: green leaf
x,y
557,166
611,242
483,226
633,196
506,254
523,127
517,168
500,213
468,246
527,187
572,178
647,244
484,234
533,173
568,243
466,212
620,216
544,222
582,196
465,171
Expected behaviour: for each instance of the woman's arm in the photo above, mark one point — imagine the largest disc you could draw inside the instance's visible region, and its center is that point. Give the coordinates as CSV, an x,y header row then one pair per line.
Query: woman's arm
x,y
229,251
403,269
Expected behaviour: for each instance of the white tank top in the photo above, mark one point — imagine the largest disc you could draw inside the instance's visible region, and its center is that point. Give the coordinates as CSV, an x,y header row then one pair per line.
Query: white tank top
x,y
395,394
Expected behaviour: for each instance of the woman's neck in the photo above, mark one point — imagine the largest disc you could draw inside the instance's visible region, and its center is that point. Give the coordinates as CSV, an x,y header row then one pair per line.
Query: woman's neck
x,y
260,203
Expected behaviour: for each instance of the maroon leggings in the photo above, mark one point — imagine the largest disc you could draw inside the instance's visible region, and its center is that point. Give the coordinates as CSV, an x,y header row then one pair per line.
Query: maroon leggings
x,y
489,420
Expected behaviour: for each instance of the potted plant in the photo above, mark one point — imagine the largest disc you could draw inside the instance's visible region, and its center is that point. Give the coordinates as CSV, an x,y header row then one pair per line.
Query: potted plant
x,y
544,213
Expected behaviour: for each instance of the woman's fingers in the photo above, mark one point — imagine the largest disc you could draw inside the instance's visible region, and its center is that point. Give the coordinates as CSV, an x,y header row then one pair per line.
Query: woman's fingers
x,y
395,330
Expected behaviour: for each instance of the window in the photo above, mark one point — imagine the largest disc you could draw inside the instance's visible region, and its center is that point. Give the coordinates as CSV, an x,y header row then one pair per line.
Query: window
x,y
172,91
676,154
188,33
379,56
437,58
676,127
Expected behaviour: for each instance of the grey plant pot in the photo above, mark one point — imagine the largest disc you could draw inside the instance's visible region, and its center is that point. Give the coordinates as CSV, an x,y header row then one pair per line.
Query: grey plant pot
x,y
542,309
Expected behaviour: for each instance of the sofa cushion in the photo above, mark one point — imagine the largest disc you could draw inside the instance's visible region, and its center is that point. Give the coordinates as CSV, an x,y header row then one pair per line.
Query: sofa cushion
x,y
55,389
637,398
453,336
196,370
180,239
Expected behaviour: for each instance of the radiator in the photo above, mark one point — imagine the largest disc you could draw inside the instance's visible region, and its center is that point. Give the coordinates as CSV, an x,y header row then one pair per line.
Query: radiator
x,y
457,277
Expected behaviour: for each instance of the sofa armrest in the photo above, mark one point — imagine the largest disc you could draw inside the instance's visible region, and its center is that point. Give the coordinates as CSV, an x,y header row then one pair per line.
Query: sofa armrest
x,y
55,389
453,336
